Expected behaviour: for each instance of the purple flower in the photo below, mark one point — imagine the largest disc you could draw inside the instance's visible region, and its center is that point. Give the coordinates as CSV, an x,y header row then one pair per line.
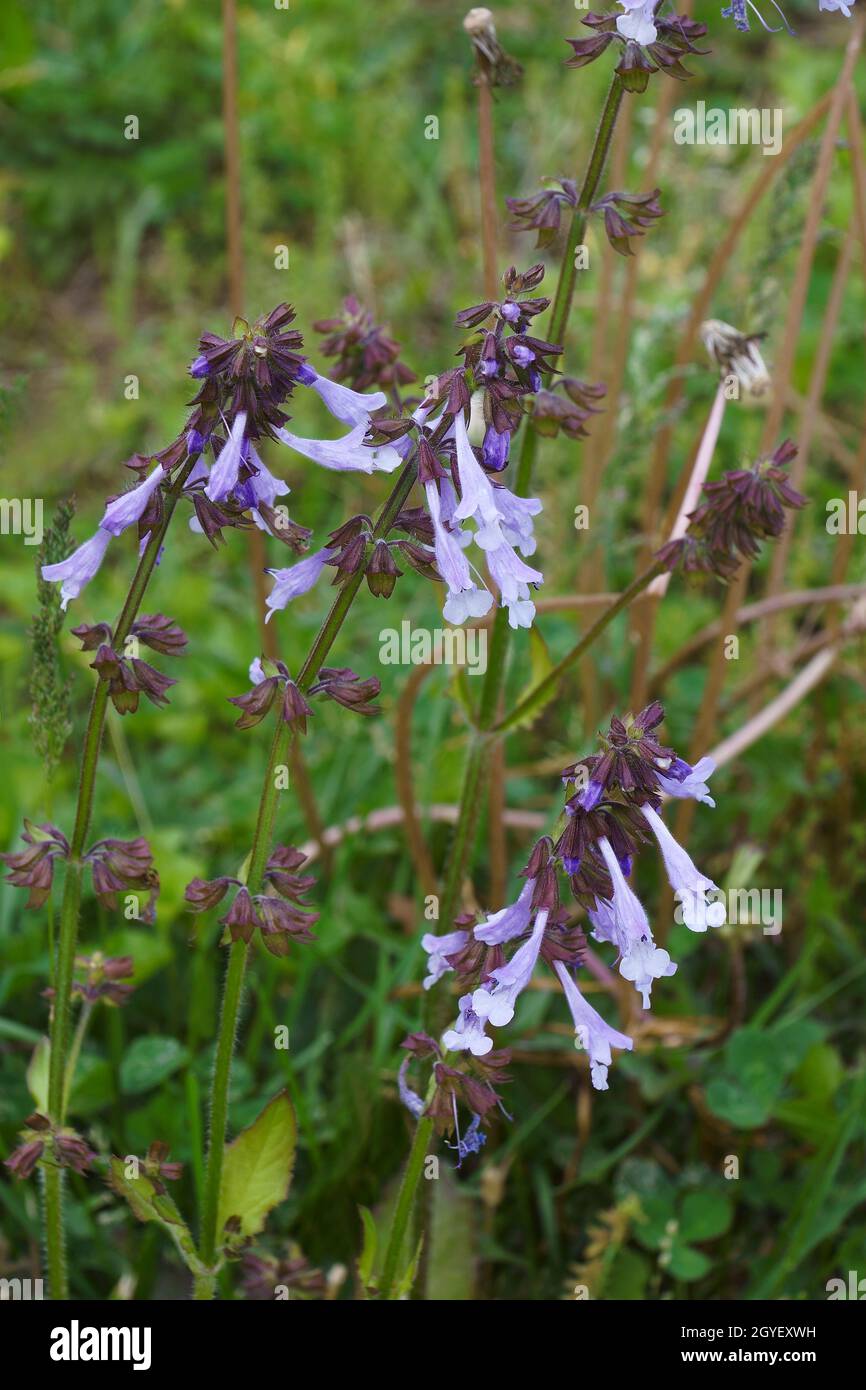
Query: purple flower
x,y
681,780
471,1141
438,949
495,449
508,922
468,1032
224,474
296,579
261,488
496,1004
79,568
591,1032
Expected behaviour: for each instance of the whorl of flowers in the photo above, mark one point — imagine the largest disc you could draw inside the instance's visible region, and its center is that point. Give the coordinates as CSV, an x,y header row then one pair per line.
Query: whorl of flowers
x,y
281,913
611,813
245,382
366,355
744,507
116,866
500,375
650,42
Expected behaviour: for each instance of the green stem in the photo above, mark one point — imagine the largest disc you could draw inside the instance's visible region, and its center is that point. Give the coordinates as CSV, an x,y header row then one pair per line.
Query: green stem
x,y
75,1052
67,928
262,840
55,1246
577,230
553,677
403,1210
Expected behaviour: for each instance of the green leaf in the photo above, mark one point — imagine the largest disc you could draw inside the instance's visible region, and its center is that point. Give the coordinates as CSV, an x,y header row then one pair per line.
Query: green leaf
x,y
149,1061
127,1179
367,1258
37,1074
688,1264
403,1286
257,1168
705,1215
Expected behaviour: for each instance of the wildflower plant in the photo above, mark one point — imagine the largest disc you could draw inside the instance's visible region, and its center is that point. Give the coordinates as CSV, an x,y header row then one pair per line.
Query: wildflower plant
x,y
457,508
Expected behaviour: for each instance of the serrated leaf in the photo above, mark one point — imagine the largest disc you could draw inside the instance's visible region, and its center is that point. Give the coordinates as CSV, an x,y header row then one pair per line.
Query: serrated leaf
x,y
150,1205
257,1168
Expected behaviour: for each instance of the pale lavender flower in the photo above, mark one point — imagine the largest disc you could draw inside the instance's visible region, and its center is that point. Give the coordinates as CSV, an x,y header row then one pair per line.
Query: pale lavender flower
x,y
836,5
687,881
644,963
79,568
411,1099
640,960
496,1004
513,576
478,500
352,407
464,599
438,949
627,907
224,474
296,579
637,23
516,515
509,921
130,506
683,781
468,1032
591,1032
348,454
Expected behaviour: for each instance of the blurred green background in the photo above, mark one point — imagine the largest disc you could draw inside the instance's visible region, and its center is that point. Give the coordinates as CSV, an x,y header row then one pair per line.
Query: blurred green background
x,y
112,254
